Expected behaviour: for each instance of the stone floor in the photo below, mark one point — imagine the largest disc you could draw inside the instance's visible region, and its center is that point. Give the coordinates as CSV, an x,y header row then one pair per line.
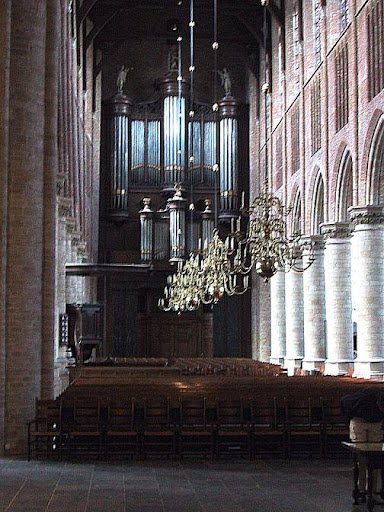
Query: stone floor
x,y
157,486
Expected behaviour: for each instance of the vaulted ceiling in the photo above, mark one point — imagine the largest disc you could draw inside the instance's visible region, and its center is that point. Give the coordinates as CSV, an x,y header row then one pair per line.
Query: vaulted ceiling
x,y
136,34
116,21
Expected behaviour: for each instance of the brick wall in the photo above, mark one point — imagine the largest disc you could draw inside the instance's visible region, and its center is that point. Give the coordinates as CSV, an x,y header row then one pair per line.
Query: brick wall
x,y
356,134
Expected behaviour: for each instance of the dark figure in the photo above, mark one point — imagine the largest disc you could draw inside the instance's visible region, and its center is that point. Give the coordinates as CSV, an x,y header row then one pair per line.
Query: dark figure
x,y
365,411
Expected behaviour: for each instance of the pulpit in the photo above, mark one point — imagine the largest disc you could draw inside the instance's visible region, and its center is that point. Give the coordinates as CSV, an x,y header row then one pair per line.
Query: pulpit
x,y
85,330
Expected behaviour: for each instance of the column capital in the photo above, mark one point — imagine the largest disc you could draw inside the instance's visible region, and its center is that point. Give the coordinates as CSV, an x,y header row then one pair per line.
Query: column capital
x,y
82,251
336,230
60,182
71,225
312,242
368,214
64,206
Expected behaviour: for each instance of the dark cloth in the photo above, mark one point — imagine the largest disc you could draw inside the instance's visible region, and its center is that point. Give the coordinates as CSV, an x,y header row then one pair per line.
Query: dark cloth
x,y
363,404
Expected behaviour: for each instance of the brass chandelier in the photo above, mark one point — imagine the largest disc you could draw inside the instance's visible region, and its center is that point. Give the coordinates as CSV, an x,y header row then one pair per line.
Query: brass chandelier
x,y
204,278
222,267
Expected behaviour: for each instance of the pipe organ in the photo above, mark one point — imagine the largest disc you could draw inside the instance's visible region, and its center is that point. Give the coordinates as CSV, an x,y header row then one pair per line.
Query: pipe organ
x,y
159,150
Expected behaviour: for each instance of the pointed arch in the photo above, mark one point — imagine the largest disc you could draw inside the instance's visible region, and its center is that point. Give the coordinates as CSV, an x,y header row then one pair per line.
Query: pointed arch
x,y
296,221
317,212
344,187
375,181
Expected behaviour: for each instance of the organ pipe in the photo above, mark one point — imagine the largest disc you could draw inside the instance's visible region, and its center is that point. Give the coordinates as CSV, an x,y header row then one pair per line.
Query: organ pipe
x,y
176,206
208,223
228,157
119,109
174,130
146,223
161,251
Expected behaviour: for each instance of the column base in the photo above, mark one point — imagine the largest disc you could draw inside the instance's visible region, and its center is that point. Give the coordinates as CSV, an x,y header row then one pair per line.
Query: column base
x,y
277,360
338,367
291,364
313,364
373,369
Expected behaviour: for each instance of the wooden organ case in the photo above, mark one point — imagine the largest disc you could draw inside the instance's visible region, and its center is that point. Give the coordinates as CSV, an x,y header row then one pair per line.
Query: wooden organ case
x,y
141,163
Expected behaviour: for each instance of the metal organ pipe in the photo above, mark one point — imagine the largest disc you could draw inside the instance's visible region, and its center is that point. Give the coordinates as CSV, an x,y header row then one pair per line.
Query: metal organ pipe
x,y
118,156
161,251
228,157
208,222
176,206
146,222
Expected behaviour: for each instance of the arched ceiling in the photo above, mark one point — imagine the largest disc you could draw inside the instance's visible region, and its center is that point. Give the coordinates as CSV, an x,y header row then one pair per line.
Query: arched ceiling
x,y
115,21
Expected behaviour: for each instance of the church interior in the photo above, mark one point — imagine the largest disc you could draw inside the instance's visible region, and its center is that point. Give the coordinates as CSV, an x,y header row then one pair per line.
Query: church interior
x,y
192,233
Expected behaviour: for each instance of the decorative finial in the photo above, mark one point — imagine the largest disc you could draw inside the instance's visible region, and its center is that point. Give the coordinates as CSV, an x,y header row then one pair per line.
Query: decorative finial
x,y
121,78
178,189
147,203
208,204
226,81
173,59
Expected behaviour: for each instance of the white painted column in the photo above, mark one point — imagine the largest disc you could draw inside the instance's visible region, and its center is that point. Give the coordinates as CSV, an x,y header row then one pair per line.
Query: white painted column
x,y
261,319
314,306
278,318
368,289
294,318
338,298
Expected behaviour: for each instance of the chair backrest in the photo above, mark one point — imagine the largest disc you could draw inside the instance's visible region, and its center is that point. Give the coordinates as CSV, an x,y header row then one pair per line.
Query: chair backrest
x,y
264,413
86,414
156,412
230,412
193,412
298,412
48,413
121,415
332,413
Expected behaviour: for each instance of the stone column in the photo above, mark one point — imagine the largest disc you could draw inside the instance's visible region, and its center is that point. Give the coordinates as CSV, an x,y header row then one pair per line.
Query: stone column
x,y
5,31
368,289
338,298
50,311
278,318
294,315
32,169
261,319
314,305
61,373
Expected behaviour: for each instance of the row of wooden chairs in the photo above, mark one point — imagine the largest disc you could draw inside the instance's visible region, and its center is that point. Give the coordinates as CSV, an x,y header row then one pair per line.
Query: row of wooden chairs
x,y
191,427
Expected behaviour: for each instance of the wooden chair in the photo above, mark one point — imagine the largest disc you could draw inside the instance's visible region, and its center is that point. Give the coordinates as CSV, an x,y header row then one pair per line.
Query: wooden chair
x,y
233,436
121,436
335,427
157,436
84,429
303,428
44,432
268,428
194,435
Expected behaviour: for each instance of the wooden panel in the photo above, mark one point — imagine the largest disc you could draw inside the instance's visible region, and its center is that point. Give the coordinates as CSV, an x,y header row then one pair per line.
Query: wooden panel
x,y
170,335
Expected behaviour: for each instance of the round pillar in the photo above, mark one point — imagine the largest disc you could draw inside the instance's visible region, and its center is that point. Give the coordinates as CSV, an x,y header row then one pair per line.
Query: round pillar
x,y
314,305
367,289
261,319
294,315
278,318
338,298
